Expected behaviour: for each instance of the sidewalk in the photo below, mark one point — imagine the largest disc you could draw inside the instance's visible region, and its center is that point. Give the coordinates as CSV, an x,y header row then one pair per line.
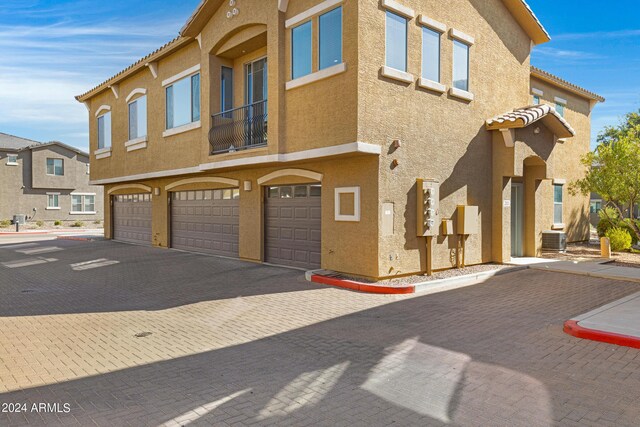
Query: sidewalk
x,y
615,323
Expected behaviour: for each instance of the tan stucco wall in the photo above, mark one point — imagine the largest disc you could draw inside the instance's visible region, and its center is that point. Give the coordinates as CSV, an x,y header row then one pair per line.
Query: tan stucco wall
x,y
346,246
442,137
578,114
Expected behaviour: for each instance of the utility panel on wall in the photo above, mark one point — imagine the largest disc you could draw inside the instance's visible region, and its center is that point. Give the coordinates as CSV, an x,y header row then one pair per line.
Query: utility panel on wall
x,y
428,207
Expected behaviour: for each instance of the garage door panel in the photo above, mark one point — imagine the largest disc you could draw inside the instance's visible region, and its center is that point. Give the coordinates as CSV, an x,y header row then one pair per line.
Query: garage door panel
x,y
203,223
293,226
132,218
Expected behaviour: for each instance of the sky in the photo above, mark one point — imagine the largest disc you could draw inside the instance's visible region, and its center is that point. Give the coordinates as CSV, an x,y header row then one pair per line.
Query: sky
x,y
51,51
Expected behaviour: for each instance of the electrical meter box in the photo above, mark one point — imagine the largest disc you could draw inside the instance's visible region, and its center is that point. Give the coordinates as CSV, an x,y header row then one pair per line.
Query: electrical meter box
x,y
428,204
468,219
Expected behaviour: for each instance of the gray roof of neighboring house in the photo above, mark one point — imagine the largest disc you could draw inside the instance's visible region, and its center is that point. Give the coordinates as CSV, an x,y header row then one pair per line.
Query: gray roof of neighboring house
x,y
11,142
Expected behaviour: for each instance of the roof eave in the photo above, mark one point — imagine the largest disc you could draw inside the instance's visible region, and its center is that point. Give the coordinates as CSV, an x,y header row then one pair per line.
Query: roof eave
x,y
558,82
528,20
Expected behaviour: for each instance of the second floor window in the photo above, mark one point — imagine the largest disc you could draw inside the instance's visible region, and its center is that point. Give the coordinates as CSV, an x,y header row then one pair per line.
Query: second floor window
x,y
138,118
55,167
557,204
330,38
536,99
560,109
301,50
460,65
104,130
431,54
183,101
396,42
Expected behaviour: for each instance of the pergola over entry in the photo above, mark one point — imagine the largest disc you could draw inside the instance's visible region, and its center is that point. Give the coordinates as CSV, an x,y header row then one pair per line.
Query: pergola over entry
x,y
523,154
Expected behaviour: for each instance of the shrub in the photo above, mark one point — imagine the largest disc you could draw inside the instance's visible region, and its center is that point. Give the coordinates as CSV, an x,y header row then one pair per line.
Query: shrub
x,y
5,223
39,223
609,218
97,221
57,222
78,224
619,238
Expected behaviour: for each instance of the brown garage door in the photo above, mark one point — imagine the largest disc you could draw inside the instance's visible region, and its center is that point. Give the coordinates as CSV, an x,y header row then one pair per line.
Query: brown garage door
x,y
206,221
132,218
292,225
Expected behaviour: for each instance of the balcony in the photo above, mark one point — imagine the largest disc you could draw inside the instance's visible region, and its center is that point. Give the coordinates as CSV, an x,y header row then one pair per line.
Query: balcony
x,y
238,129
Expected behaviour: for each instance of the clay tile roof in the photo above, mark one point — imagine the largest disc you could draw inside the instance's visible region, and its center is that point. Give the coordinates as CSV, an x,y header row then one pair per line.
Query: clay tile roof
x,y
523,117
156,54
557,81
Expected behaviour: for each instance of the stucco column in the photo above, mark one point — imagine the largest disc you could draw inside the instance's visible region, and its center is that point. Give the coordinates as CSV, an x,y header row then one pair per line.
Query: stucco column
x,y
501,221
160,223
251,218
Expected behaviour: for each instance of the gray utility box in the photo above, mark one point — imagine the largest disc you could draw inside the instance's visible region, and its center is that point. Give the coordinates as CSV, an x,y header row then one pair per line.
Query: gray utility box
x,y
554,241
20,219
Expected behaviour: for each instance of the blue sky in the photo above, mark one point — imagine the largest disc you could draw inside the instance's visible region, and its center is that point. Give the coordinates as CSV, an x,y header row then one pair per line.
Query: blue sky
x,y
53,50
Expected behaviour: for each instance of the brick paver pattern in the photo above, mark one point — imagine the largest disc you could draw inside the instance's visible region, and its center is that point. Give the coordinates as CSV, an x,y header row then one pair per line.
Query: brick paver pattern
x,y
237,343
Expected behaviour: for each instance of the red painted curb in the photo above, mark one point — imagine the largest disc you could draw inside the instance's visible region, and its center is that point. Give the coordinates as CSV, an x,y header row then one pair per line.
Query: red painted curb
x,y
29,233
572,328
362,287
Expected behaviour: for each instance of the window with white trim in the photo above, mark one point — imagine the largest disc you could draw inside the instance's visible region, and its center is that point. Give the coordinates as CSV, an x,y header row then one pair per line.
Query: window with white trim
x,y
536,99
83,203
460,65
557,203
330,38
138,118
396,41
12,159
560,109
431,54
104,130
301,48
53,201
55,167
183,101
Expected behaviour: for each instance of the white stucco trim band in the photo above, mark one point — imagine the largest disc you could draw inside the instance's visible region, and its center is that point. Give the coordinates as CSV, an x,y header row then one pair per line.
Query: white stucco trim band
x,y
282,5
336,150
136,144
146,188
102,108
392,73
303,16
181,129
560,101
462,94
356,204
181,75
463,37
537,92
136,91
559,181
431,85
398,8
425,21
102,153
318,75
203,180
290,172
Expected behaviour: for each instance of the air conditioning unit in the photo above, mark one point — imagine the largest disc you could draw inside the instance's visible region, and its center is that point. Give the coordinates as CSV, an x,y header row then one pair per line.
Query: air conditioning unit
x,y
554,241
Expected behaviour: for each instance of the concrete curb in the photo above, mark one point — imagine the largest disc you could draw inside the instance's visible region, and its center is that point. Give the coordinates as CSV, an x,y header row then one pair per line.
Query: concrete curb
x,y
572,328
80,239
428,287
596,274
44,232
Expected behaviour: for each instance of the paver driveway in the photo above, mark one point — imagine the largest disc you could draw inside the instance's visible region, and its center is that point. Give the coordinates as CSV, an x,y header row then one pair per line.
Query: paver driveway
x,y
240,343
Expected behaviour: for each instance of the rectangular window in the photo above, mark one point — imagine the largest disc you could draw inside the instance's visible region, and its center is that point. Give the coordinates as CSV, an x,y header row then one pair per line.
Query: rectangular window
x,y
301,50
557,204
330,44
138,118
431,54
460,65
52,201
12,159
183,101
595,206
104,130
560,109
55,167
83,203
536,99
396,42
226,89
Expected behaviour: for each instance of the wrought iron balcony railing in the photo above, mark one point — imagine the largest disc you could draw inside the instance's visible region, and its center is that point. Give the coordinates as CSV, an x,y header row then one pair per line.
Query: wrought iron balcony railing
x,y
239,129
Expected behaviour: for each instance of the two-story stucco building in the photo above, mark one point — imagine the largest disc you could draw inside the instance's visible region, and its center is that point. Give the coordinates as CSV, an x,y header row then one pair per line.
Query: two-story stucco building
x,y
345,135
46,181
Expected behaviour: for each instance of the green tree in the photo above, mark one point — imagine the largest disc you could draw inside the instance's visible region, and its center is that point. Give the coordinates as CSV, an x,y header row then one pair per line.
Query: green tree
x,y
613,168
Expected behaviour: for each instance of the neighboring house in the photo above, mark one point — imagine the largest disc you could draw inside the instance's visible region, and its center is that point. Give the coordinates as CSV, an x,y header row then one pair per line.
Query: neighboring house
x,y
364,99
46,182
